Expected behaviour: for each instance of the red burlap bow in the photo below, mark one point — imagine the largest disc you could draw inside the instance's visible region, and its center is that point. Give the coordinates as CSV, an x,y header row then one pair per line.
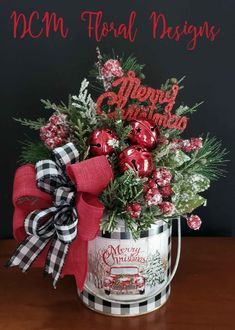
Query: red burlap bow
x,y
90,177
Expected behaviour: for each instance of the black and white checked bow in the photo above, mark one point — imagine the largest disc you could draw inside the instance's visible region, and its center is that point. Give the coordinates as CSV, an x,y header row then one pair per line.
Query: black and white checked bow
x,y
58,223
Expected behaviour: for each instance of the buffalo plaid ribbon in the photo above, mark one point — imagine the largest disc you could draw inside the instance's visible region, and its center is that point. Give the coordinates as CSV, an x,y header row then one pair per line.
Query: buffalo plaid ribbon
x,y
56,224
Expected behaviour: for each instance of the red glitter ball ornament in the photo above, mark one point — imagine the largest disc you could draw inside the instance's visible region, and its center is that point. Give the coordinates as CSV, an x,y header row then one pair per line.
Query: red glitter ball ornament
x,y
144,133
138,158
102,142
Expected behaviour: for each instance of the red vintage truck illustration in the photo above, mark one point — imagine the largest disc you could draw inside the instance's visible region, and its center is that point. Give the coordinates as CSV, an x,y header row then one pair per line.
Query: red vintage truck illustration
x,y
124,280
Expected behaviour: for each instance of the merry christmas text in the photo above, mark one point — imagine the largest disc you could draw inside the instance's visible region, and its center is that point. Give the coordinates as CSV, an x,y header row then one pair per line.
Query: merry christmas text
x,y
130,88
122,255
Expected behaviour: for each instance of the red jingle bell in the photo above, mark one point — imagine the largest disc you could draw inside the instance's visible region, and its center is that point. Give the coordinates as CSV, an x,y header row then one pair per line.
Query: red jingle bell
x,y
144,133
102,142
138,158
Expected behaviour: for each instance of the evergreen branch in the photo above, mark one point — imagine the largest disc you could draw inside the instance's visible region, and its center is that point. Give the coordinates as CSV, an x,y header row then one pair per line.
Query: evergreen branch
x,y
32,152
84,103
109,223
117,125
171,133
160,152
80,115
209,160
121,128
33,124
172,81
131,64
183,110
180,80
52,106
80,135
122,190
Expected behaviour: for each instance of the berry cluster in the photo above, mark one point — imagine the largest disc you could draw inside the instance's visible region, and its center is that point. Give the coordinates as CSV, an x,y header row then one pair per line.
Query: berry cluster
x,y
158,188
112,69
190,145
55,132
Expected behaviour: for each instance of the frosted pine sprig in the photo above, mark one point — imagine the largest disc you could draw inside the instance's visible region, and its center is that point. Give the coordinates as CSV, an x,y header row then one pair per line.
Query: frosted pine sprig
x,y
85,103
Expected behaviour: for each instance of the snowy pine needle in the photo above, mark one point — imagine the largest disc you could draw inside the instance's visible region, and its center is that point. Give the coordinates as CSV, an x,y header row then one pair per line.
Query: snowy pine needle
x,y
85,103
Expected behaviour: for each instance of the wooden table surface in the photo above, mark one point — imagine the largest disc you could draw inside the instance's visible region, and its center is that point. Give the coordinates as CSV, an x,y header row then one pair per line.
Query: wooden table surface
x,y
202,296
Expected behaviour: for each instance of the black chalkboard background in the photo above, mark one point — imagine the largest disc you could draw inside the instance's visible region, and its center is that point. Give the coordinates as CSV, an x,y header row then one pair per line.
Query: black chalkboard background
x,y
51,68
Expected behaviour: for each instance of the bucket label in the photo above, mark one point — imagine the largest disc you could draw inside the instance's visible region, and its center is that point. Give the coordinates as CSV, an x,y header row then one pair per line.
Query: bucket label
x,y
127,269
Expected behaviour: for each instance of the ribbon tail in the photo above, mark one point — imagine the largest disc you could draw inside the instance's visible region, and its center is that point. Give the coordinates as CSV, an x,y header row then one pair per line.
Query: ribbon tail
x,y
27,252
80,272
55,259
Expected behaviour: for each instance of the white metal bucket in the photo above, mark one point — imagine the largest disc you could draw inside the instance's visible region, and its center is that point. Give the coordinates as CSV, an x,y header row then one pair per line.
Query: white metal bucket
x,y
128,277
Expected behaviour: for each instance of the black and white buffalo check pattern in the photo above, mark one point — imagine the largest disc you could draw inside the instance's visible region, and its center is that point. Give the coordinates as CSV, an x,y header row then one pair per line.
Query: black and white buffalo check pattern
x,y
151,303
68,154
116,309
121,233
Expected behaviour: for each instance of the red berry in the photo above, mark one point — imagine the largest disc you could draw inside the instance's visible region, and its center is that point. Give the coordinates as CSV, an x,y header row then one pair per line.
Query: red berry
x,y
162,176
134,210
166,191
167,208
194,222
196,143
154,191
151,183
136,207
153,197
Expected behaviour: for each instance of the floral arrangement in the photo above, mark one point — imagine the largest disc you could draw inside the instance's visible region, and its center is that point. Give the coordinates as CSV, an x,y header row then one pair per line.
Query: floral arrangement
x,y
158,174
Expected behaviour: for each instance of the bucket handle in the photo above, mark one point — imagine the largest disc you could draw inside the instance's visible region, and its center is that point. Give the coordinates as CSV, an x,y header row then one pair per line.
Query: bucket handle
x,y
176,260
175,267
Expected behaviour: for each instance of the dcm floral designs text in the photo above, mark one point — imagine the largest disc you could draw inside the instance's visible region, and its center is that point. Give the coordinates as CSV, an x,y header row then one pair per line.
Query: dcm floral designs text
x,y
94,24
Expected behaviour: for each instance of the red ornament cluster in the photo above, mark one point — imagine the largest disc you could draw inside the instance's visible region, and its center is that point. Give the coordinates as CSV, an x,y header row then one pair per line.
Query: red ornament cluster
x,y
143,137
55,132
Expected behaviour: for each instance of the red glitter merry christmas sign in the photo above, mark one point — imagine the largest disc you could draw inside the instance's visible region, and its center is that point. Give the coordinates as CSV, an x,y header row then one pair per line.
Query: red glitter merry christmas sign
x,y
130,88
